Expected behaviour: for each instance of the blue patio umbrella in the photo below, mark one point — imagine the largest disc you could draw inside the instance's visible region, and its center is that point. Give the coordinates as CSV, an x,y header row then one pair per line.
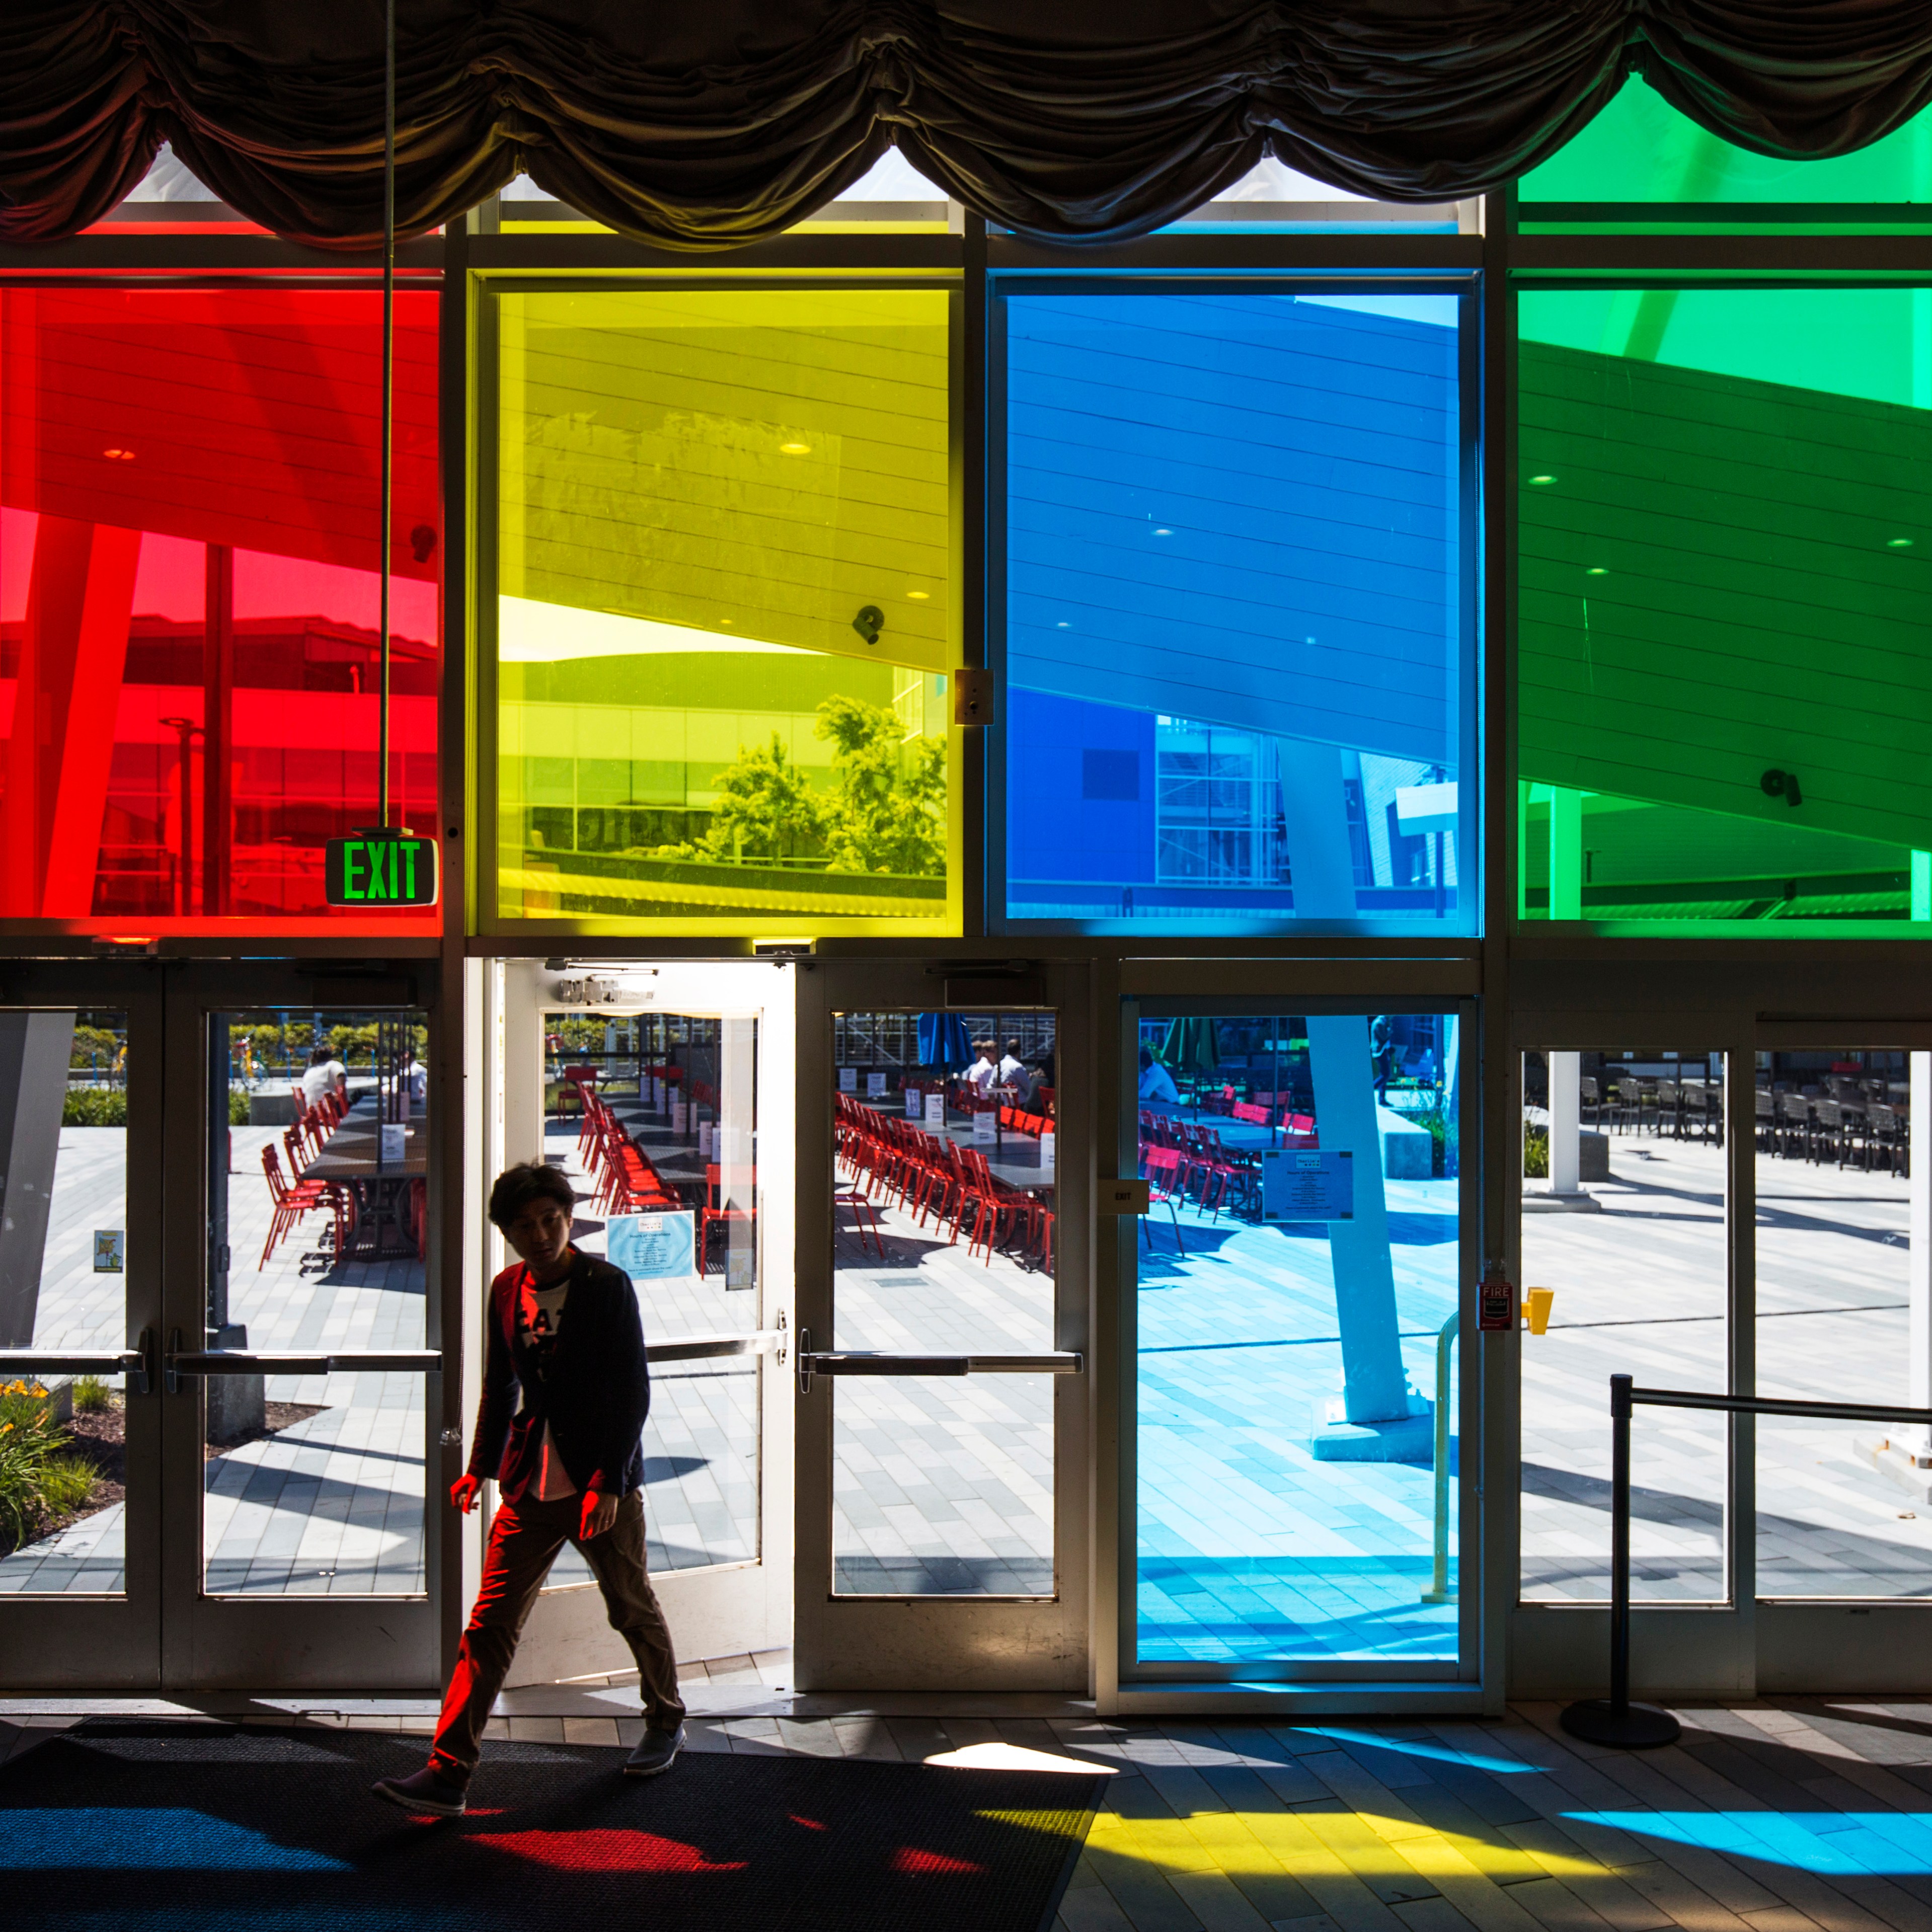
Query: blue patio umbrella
x,y
944,1041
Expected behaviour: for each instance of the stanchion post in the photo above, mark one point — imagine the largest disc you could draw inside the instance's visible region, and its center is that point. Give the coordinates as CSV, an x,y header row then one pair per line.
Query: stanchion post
x,y
1614,1720
1620,1553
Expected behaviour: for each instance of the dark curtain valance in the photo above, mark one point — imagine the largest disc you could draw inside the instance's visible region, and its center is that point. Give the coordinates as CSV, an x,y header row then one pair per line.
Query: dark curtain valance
x,y
706,124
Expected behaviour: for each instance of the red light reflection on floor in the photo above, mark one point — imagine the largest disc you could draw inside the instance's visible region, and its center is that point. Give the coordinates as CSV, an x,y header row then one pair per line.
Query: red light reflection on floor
x,y
810,1824
909,1859
596,1850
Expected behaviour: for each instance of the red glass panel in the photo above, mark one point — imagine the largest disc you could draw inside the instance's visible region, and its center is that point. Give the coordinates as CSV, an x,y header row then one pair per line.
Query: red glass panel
x,y
189,599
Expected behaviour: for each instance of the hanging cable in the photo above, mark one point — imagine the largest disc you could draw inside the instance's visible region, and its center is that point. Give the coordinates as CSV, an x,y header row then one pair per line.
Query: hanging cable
x,y
389,389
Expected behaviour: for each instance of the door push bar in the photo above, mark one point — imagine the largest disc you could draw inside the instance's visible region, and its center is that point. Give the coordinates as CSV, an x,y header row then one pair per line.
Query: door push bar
x,y
179,1362
882,1362
137,1363
701,1348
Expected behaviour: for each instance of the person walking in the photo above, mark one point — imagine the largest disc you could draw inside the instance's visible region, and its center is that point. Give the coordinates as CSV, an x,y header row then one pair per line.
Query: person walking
x,y
568,1465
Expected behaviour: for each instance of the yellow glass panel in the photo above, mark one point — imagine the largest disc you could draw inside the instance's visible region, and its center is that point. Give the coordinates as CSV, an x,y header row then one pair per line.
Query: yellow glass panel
x,y
726,614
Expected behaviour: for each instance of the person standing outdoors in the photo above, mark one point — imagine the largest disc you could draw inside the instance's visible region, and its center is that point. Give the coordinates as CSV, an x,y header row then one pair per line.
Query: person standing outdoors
x,y
568,1465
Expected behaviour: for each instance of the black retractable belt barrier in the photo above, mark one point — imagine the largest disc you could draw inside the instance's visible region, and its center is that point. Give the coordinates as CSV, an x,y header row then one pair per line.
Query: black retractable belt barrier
x,y
1614,1720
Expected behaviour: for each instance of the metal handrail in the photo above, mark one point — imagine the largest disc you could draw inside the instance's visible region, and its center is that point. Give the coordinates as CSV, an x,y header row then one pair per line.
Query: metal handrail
x,y
1438,1590
1614,1720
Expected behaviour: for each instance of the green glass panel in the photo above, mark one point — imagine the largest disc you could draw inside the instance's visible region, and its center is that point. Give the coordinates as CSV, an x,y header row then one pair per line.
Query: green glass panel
x,y
1724,686
1639,148
725,618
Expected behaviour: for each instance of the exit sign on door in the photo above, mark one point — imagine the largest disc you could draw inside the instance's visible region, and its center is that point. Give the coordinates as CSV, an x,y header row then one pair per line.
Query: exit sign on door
x,y
375,871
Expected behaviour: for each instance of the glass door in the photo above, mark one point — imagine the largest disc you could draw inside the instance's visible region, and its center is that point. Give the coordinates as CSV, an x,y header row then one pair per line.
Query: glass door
x,y
942,1335
1633,1188
1842,1292
663,1091
300,1372
80,1130
1293,1481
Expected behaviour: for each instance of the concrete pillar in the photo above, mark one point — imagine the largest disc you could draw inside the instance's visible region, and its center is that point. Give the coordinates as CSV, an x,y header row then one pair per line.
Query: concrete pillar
x,y
1375,1384
73,651
1564,1122
34,1050
1566,853
1315,811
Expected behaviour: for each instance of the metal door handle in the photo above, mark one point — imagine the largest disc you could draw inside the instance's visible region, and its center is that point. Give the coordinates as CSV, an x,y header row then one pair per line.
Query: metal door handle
x,y
700,1347
180,1362
136,1363
885,1362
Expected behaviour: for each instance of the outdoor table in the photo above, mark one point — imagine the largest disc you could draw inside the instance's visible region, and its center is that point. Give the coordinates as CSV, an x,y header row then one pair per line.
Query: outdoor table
x,y
350,1158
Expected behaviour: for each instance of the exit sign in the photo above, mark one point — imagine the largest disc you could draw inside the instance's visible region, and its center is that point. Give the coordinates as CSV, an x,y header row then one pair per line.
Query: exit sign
x,y
379,869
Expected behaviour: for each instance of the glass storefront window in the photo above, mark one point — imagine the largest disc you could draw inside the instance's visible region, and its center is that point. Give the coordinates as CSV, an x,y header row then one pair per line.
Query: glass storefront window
x,y
725,619
1722,684
190,508
1641,155
1238,681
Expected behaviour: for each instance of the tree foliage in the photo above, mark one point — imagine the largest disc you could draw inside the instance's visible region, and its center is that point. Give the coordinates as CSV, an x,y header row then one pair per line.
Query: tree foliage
x,y
885,812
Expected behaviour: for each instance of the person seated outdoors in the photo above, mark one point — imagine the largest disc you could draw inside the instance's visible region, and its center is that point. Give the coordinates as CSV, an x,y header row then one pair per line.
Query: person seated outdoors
x,y
1011,1067
984,1070
318,1078
1156,1083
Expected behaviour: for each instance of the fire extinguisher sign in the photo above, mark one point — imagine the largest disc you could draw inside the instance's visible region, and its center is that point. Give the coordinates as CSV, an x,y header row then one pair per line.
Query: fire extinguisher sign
x,y
1495,1300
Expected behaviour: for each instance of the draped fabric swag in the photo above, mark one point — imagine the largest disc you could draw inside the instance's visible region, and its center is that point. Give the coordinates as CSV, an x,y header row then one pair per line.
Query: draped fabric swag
x,y
708,123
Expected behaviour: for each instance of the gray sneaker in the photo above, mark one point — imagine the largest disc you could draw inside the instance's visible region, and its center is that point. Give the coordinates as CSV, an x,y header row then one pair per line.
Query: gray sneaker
x,y
655,1749
424,1792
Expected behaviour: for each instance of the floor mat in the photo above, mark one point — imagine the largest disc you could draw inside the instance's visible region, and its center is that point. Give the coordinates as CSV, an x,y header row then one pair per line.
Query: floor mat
x,y
219,1828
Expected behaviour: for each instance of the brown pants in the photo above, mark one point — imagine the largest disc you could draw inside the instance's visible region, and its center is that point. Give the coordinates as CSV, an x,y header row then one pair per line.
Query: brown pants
x,y
524,1540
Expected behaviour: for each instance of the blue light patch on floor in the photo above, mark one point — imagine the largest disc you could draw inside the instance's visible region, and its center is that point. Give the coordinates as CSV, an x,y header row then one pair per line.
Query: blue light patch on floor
x,y
85,1839
1415,1747
1836,1844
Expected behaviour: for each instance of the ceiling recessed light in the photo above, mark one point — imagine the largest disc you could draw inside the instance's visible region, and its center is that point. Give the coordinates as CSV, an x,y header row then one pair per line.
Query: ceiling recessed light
x,y
1062,625
119,455
796,449
919,596
1596,570
1163,533
1898,543
1542,479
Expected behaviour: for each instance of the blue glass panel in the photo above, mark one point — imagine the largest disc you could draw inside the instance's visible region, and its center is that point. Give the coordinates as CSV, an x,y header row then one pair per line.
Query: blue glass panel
x,y
1296,1343
1238,683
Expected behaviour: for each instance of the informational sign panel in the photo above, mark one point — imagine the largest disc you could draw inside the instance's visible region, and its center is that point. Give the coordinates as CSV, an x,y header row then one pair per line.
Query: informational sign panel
x,y
848,1080
915,1102
654,1247
875,1086
986,1125
110,1251
935,1111
1300,1184
372,870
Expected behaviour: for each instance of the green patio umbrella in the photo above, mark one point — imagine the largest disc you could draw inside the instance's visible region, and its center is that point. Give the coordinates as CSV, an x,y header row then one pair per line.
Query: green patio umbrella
x,y
1191,1048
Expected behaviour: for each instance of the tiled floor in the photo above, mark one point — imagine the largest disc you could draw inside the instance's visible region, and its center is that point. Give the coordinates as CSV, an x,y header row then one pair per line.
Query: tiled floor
x,y
1801,1816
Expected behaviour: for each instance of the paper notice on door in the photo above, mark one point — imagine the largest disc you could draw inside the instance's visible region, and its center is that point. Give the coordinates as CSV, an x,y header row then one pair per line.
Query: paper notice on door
x,y
653,1247
110,1250
1299,1184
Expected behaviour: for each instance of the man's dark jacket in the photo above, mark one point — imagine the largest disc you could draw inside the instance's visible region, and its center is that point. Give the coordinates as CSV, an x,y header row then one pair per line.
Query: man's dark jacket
x,y
595,1392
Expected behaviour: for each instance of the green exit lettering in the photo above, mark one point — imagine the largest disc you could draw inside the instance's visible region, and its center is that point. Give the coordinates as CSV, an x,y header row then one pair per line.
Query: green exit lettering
x,y
380,871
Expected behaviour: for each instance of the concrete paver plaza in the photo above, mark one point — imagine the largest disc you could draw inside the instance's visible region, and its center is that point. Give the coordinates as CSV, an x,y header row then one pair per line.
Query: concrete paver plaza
x,y
1249,1548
